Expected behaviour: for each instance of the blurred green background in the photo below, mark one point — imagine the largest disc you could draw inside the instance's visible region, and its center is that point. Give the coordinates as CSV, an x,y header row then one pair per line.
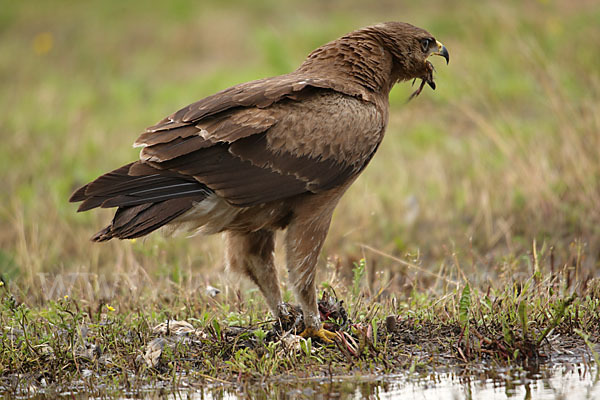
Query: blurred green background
x,y
506,151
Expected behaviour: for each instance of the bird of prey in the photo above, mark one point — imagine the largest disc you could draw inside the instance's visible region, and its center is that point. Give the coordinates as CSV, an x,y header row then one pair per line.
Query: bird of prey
x,y
275,153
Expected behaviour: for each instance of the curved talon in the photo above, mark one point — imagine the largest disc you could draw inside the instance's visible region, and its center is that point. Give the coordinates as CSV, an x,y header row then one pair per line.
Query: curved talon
x,y
322,334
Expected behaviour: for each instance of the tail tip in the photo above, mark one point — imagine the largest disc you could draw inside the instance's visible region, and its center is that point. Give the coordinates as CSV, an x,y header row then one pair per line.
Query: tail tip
x,y
103,235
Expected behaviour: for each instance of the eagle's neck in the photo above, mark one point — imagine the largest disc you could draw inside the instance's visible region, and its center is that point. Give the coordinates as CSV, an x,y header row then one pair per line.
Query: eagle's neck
x,y
358,59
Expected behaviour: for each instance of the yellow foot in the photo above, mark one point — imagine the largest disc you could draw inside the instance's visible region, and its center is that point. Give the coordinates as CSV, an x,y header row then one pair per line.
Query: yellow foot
x,y
322,334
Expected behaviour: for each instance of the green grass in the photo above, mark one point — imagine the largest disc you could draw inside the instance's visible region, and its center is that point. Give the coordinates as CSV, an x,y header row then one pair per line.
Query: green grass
x,y
104,347
500,160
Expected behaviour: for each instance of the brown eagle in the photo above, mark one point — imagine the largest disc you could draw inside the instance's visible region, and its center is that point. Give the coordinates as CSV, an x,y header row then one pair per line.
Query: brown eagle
x,y
276,153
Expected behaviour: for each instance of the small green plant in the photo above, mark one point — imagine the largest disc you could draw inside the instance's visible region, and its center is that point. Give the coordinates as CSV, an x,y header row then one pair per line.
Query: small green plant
x,y
464,307
560,309
217,329
522,311
306,347
260,335
374,324
358,275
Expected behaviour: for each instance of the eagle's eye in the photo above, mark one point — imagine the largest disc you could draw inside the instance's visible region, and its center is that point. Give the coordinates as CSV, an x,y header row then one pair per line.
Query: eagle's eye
x,y
425,44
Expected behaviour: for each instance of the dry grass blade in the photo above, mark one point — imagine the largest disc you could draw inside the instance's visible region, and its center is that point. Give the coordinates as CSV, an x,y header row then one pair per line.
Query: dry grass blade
x,y
409,264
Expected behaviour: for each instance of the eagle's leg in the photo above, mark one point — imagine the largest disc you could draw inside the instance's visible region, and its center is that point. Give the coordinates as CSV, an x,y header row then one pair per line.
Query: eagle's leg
x,y
251,253
303,242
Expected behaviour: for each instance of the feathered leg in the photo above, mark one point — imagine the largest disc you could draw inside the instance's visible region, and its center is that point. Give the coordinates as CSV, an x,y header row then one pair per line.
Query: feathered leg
x,y
304,239
252,254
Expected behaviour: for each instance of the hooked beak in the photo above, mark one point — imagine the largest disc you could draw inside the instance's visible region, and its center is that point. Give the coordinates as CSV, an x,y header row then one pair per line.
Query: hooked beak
x,y
427,77
442,51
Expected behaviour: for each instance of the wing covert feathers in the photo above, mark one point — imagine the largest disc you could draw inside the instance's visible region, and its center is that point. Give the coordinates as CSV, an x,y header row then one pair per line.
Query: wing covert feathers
x,y
260,93
311,143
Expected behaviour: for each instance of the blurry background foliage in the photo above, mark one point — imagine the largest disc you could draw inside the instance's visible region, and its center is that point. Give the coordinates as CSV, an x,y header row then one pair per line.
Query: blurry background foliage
x,y
505,151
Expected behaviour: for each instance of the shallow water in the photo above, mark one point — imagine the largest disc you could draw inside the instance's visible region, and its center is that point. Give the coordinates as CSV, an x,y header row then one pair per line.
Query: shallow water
x,y
560,382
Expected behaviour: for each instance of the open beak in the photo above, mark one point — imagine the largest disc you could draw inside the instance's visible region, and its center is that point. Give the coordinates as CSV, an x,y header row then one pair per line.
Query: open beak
x,y
427,78
442,51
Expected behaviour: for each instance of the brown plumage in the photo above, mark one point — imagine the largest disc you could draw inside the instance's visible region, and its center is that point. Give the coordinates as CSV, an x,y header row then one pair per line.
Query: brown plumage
x,y
276,153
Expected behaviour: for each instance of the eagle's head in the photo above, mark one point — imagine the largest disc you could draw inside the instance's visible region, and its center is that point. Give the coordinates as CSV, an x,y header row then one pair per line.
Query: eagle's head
x,y
411,47
376,57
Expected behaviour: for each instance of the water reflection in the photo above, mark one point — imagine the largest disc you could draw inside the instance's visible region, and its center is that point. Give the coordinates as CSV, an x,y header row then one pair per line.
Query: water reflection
x,y
560,382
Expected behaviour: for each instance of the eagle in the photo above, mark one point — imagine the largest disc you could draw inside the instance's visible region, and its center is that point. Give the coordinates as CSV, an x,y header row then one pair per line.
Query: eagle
x,y
268,155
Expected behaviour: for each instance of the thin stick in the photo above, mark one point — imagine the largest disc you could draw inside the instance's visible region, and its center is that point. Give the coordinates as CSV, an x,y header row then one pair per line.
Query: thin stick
x,y
408,264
